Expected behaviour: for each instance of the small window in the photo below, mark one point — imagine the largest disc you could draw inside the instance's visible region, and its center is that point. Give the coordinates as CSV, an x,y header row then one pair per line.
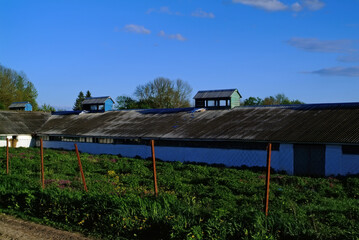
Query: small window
x,y
211,103
2,137
93,107
223,103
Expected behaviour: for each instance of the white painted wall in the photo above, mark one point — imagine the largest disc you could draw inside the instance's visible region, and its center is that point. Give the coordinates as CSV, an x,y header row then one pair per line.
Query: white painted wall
x,y
23,141
281,160
350,164
338,163
333,160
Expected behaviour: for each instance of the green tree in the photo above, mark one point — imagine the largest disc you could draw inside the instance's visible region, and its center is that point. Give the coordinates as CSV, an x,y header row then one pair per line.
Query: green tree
x,y
164,93
252,101
88,94
124,102
15,87
47,108
78,103
279,99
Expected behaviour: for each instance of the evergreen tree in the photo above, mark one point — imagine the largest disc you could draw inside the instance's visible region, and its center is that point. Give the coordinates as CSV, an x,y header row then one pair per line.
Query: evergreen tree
x,y
78,103
88,94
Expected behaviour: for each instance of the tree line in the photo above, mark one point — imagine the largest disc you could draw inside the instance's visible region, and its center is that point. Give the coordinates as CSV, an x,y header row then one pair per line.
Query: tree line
x,y
279,99
158,93
15,87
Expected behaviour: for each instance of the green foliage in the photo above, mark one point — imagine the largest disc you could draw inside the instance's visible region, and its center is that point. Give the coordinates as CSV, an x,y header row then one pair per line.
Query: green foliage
x,y
164,93
279,99
47,108
80,98
78,103
194,202
15,87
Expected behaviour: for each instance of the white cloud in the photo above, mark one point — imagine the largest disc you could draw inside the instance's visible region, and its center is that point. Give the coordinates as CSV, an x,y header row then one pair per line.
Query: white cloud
x,y
296,7
136,29
164,10
202,14
338,71
316,45
269,5
176,36
313,5
278,5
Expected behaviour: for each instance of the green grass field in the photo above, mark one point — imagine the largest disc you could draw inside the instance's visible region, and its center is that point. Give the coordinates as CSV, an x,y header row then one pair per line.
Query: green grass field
x,y
194,201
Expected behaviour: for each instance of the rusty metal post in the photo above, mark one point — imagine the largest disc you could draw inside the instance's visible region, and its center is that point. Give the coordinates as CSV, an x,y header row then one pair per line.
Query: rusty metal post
x,y
269,152
154,166
42,164
80,166
7,155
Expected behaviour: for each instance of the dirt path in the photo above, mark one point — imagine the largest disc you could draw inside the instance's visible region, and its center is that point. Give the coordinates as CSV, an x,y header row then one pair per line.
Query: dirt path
x,y
12,228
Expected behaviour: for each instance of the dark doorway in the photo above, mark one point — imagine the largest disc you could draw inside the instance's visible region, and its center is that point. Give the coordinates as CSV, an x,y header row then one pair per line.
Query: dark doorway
x,y
309,160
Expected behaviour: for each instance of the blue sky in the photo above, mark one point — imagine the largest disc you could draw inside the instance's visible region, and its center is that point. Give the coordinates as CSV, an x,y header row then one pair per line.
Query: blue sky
x,y
306,49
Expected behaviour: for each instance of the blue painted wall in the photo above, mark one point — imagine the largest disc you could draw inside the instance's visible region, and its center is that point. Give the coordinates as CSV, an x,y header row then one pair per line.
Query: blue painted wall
x,y
28,107
108,105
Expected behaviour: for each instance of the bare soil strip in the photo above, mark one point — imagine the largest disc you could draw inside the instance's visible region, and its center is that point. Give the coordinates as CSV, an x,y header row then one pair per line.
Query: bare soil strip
x,y
12,228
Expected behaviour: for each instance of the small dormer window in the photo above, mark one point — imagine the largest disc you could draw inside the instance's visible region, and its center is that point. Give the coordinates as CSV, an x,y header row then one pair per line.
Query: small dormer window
x,y
217,99
101,104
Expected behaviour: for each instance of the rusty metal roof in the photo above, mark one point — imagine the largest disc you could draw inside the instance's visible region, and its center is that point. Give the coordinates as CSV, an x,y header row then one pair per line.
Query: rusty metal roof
x,y
96,100
308,123
213,94
21,122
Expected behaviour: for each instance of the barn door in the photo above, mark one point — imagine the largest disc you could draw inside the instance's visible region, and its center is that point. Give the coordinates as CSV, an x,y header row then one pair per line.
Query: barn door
x,y
309,160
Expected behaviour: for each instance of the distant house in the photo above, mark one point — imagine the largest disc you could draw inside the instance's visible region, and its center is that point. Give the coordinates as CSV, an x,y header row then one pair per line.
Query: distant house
x,y
102,104
21,106
217,99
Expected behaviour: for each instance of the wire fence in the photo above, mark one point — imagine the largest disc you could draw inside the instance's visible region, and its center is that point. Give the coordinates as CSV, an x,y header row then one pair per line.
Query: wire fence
x,y
260,157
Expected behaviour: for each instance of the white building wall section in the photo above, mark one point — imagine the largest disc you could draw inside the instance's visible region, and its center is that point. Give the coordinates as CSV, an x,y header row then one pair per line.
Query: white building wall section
x,y
22,141
98,148
350,164
284,161
333,160
281,160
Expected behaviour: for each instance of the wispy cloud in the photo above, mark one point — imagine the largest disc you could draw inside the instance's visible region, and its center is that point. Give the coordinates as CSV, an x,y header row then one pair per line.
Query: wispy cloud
x,y
164,10
316,45
176,36
278,5
202,14
269,5
349,58
313,5
136,29
338,71
296,7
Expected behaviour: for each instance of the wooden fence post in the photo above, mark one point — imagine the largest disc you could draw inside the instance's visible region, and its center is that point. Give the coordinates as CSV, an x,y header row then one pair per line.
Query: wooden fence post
x,y
42,164
154,166
7,155
80,166
269,152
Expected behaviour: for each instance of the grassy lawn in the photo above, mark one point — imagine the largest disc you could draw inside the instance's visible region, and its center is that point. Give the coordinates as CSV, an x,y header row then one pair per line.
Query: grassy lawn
x,y
194,201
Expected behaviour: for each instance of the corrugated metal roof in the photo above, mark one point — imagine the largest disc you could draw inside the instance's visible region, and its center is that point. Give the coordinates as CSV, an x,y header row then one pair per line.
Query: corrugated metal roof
x,y
96,100
224,93
311,123
21,122
18,104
